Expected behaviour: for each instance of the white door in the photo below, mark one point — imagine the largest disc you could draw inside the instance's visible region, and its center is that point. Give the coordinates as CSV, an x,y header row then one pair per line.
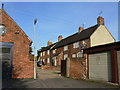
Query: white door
x,y
118,53
100,66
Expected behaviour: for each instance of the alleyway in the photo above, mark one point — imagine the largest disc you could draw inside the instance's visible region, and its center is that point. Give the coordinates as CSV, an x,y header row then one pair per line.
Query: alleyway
x,y
51,79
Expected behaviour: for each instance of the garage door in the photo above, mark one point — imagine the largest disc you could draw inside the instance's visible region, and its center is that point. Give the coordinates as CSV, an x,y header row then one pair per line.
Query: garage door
x,y
7,53
119,64
100,66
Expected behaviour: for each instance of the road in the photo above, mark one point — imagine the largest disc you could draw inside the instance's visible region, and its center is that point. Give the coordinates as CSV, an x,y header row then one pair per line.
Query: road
x,y
51,79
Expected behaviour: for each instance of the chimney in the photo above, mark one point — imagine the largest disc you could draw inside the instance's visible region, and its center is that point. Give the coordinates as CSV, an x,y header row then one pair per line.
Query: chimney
x,y
49,43
60,38
100,20
2,6
80,29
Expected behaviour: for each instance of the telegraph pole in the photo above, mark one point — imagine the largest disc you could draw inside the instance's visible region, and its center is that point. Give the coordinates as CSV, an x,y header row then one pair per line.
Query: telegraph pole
x,y
35,21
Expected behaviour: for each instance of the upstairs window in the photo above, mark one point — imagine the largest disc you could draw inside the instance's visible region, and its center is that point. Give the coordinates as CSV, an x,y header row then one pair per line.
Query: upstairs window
x,y
54,51
44,53
80,54
41,54
65,48
76,45
48,52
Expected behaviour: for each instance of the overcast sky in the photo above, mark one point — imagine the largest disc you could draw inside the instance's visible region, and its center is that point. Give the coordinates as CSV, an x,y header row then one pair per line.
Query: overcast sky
x,y
54,19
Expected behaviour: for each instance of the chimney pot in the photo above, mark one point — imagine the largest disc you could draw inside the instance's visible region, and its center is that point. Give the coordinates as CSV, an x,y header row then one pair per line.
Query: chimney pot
x,y
80,29
100,20
49,43
60,38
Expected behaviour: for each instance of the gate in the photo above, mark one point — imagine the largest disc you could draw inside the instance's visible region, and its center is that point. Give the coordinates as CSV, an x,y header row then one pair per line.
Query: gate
x,y
6,58
63,67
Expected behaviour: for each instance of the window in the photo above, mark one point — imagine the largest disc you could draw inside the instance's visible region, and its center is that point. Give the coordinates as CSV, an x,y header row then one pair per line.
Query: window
x,y
44,53
80,54
65,48
54,51
65,56
48,52
73,55
76,45
48,60
41,54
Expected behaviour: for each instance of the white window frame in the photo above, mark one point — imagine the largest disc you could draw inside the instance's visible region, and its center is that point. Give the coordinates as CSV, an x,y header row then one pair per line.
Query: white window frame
x,y
44,53
66,48
80,54
41,54
65,56
54,51
76,45
48,52
74,55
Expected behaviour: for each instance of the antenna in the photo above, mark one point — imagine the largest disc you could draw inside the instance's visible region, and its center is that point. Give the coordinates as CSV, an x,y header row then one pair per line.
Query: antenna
x,y
83,25
100,13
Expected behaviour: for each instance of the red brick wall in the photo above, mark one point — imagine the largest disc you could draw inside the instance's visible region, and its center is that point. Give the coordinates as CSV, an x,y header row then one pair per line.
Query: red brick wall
x,y
22,66
78,68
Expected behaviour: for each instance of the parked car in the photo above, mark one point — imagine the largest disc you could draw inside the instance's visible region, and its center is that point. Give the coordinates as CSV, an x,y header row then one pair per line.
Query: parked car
x,y
39,63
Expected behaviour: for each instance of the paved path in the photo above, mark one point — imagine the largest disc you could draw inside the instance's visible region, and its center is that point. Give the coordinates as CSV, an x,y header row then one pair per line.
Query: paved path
x,y
50,79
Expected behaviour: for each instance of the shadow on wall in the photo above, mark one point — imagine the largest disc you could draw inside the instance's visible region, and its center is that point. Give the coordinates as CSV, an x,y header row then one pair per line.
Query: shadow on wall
x,y
7,81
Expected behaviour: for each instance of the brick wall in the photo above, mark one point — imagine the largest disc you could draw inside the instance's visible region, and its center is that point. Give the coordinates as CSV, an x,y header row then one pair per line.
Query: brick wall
x,y
22,66
78,68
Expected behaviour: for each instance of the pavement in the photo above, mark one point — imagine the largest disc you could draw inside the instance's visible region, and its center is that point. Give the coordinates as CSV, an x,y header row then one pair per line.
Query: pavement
x,y
52,79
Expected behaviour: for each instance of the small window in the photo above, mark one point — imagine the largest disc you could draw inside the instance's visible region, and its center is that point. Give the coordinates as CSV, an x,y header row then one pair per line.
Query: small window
x,y
76,45
54,51
73,55
48,52
65,56
44,53
41,54
65,48
80,54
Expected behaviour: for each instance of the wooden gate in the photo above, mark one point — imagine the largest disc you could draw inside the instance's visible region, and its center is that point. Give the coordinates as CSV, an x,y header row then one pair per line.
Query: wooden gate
x,y
63,67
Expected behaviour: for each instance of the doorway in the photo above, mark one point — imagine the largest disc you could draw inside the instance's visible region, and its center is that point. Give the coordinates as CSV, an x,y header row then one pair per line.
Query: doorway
x,y
6,56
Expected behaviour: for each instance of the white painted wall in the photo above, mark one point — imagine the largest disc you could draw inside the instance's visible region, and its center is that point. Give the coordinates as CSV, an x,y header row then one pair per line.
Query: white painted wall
x,y
101,36
118,53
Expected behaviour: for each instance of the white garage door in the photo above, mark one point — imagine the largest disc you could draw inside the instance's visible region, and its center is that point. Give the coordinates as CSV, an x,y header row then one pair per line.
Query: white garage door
x,y
119,64
100,66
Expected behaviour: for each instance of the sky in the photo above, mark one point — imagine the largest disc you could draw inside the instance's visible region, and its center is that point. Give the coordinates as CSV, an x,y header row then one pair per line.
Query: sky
x,y
61,18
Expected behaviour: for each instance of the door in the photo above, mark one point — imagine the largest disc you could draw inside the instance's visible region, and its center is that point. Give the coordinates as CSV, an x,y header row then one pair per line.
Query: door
x,y
100,66
6,58
118,54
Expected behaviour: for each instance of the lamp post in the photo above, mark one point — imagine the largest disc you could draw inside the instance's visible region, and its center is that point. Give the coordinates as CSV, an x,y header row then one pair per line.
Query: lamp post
x,y
35,21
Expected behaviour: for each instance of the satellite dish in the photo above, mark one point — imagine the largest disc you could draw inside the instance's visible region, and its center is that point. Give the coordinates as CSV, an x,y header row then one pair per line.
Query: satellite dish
x,y
84,44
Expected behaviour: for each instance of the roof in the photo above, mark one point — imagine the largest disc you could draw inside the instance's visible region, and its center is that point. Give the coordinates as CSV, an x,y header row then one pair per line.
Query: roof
x,y
77,37
101,48
3,11
46,48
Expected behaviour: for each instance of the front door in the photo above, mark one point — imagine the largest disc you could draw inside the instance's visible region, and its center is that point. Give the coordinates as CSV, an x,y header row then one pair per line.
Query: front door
x,y
6,58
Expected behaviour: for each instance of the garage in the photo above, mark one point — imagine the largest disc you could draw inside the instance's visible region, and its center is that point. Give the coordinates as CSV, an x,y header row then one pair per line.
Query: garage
x,y
7,57
118,53
100,66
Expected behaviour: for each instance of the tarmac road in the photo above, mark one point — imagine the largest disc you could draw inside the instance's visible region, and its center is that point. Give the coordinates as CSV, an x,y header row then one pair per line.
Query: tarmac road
x,y
50,79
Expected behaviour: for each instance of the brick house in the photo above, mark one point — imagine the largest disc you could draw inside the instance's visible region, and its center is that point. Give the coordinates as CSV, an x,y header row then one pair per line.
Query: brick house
x,y
72,47
15,45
